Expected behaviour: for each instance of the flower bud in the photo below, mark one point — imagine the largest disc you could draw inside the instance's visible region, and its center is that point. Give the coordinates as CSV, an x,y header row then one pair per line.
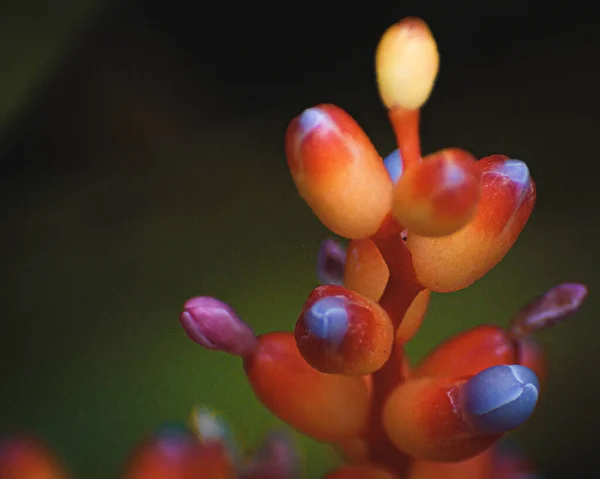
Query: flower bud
x,y
557,304
407,63
338,172
438,196
341,332
453,262
214,325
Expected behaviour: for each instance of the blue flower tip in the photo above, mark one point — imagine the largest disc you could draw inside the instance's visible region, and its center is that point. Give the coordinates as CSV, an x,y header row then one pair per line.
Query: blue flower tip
x,y
499,398
393,164
328,319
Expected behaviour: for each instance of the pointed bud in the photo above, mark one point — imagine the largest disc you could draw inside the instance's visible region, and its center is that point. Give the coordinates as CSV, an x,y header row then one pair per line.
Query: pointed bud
x,y
438,196
341,332
214,325
557,304
453,262
337,171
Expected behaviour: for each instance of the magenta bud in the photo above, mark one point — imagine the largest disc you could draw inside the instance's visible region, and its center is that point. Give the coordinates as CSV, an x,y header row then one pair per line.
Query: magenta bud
x,y
551,308
214,325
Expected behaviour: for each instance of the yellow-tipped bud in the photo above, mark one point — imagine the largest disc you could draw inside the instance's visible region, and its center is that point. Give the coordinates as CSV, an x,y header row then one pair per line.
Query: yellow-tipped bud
x,y
407,64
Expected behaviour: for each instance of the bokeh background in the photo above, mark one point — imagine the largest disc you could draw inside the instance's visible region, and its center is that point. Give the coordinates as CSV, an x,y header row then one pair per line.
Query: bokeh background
x,y
141,163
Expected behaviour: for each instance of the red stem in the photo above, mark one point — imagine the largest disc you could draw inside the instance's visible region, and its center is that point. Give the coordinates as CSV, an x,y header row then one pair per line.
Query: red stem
x,y
401,290
406,127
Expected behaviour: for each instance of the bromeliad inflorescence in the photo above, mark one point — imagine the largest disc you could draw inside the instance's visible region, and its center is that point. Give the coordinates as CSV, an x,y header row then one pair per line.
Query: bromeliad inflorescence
x,y
415,225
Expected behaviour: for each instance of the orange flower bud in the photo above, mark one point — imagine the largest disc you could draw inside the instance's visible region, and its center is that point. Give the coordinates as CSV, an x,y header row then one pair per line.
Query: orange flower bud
x,y
338,171
453,262
438,196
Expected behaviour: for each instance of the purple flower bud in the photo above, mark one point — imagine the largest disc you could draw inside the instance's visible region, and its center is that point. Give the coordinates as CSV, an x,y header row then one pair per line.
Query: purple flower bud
x,y
214,325
331,261
549,309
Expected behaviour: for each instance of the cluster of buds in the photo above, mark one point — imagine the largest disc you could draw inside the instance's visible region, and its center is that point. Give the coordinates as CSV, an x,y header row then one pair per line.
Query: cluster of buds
x,y
414,225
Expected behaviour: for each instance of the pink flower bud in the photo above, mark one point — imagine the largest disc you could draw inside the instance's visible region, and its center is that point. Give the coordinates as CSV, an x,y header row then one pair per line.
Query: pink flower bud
x,y
214,325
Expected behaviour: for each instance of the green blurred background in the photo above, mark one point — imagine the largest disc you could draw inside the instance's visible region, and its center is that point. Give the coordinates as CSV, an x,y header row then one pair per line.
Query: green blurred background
x,y
142,163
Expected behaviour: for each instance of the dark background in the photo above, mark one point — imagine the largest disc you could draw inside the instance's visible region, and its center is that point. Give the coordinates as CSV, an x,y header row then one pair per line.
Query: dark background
x,y
142,163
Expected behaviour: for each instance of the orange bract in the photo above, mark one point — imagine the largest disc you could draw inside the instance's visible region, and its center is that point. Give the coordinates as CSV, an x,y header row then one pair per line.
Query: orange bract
x,y
326,407
366,271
